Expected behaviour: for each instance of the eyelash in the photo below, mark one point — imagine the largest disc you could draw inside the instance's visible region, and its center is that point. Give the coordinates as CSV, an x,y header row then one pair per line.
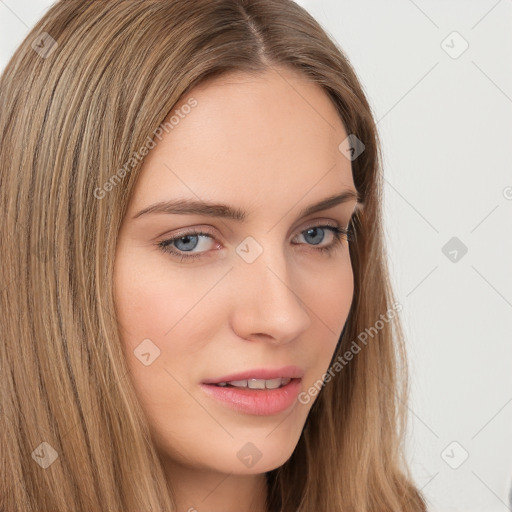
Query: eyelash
x,y
338,232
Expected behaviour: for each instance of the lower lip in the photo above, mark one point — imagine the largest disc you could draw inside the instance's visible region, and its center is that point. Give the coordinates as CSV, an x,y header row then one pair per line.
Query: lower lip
x,y
260,402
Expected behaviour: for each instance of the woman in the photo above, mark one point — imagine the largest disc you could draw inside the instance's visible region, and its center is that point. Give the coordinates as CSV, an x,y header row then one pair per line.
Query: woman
x,y
196,307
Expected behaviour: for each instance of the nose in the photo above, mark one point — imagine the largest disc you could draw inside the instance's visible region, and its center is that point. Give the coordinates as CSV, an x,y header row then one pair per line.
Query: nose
x,y
267,302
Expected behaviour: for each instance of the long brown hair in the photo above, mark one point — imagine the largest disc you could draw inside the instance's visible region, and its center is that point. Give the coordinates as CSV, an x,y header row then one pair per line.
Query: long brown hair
x,y
87,89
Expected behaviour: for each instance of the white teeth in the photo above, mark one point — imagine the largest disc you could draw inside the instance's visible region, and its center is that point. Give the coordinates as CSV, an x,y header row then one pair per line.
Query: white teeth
x,y
238,383
257,383
273,383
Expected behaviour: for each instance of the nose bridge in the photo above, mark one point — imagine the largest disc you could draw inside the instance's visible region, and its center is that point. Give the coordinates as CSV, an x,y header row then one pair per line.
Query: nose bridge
x,y
268,300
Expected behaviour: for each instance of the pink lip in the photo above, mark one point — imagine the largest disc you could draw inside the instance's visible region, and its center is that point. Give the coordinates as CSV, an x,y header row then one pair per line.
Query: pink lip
x,y
291,372
259,402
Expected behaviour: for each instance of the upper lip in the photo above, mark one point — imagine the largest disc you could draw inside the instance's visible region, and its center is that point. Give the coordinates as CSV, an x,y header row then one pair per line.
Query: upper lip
x,y
291,372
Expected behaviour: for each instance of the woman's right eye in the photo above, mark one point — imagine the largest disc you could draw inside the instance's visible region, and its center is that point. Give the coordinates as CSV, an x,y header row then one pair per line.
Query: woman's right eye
x,y
182,245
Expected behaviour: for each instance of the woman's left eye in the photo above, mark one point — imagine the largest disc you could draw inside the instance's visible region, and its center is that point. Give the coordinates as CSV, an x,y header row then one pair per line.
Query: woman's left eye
x,y
193,239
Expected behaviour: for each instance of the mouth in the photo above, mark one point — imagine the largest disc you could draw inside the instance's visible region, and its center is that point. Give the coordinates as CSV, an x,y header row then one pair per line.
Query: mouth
x,y
258,397
271,377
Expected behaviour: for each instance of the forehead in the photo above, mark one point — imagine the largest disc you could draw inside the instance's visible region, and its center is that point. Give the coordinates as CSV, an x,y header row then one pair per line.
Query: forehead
x,y
249,138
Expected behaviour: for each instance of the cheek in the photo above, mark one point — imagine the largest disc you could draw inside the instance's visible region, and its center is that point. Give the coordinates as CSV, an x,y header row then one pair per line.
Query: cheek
x,y
327,292
168,317
162,319
328,298
153,297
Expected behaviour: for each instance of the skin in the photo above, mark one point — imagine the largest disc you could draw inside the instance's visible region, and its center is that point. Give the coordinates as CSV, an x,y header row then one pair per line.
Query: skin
x,y
267,145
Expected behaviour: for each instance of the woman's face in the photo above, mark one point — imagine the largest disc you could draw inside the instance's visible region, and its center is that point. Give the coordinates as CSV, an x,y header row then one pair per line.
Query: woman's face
x,y
270,290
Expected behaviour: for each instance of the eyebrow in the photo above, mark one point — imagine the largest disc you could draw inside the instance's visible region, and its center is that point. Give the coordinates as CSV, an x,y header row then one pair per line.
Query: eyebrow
x,y
193,207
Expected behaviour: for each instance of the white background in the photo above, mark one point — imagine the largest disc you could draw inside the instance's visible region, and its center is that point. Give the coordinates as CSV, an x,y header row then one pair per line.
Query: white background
x,y
446,129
